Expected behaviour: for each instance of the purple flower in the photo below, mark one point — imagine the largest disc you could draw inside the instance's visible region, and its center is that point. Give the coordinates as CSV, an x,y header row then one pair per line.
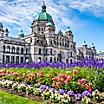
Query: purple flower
x,y
78,96
61,91
86,93
70,93
51,89
42,87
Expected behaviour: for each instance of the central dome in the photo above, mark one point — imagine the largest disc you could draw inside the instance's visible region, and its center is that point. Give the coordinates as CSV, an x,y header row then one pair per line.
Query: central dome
x,y
43,15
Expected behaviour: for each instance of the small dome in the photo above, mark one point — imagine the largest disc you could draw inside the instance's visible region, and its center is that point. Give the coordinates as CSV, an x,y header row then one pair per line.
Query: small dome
x,y
60,33
68,30
43,15
22,34
1,25
49,24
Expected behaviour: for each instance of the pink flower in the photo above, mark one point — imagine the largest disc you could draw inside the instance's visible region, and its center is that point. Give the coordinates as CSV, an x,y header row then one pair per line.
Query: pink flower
x,y
40,74
66,81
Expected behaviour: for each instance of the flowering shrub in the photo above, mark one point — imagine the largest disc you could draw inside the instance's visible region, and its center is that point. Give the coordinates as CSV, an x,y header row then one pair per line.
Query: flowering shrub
x,y
15,86
46,95
55,84
22,87
55,96
29,90
77,79
37,92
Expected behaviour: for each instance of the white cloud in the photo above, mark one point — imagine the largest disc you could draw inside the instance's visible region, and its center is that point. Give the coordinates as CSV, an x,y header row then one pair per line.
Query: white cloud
x,y
20,12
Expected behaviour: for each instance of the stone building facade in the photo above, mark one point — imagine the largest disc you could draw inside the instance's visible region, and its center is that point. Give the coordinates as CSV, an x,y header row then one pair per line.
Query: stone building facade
x,y
100,56
42,44
86,52
12,50
45,44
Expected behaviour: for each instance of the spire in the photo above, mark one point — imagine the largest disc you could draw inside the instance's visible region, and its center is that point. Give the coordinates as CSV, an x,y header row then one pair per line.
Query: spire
x,y
43,7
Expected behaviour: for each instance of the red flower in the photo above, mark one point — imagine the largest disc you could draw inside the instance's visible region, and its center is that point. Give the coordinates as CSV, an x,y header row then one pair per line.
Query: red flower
x,y
81,81
75,71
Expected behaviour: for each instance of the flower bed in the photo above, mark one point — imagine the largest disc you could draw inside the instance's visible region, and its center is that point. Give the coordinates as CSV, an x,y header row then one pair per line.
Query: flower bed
x,y
55,85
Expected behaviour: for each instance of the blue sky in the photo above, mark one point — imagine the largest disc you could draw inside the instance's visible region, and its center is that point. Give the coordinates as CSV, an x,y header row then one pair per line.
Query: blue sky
x,y
85,17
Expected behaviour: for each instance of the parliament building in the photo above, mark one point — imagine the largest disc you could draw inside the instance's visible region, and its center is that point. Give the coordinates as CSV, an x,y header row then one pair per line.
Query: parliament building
x,y
42,44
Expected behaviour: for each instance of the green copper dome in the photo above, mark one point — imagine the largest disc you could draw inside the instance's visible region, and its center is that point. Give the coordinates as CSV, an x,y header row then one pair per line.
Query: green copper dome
x,y
49,24
43,15
68,30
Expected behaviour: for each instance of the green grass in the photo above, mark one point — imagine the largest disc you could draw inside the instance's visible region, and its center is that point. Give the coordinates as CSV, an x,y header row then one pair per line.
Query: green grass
x,y
6,98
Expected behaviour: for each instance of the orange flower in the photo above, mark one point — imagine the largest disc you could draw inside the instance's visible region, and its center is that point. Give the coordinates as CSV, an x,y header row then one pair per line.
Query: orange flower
x,y
53,84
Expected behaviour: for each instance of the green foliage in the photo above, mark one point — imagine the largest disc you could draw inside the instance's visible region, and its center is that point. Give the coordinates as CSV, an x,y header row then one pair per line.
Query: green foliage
x,y
98,82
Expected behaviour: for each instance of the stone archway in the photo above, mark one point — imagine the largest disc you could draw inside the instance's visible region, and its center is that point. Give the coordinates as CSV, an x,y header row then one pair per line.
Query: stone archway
x,y
60,56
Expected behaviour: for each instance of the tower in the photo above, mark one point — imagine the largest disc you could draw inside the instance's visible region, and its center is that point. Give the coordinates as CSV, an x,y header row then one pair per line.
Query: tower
x,y
40,20
69,34
3,33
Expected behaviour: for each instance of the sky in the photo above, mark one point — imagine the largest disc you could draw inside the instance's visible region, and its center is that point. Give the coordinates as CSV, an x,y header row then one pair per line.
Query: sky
x,y
84,17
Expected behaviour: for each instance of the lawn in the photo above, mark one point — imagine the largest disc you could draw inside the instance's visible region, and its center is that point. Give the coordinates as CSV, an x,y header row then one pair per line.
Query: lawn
x,y
6,98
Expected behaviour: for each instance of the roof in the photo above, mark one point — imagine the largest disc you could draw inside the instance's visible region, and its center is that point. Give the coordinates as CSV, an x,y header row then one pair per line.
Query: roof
x,y
101,54
13,39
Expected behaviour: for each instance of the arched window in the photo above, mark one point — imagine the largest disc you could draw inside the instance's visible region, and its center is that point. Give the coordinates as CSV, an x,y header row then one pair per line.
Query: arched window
x,y
3,48
8,49
30,40
50,51
46,51
40,51
22,50
27,51
17,59
71,54
38,28
17,50
39,59
46,58
50,42
54,59
7,59
13,49
65,45
71,61
50,59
